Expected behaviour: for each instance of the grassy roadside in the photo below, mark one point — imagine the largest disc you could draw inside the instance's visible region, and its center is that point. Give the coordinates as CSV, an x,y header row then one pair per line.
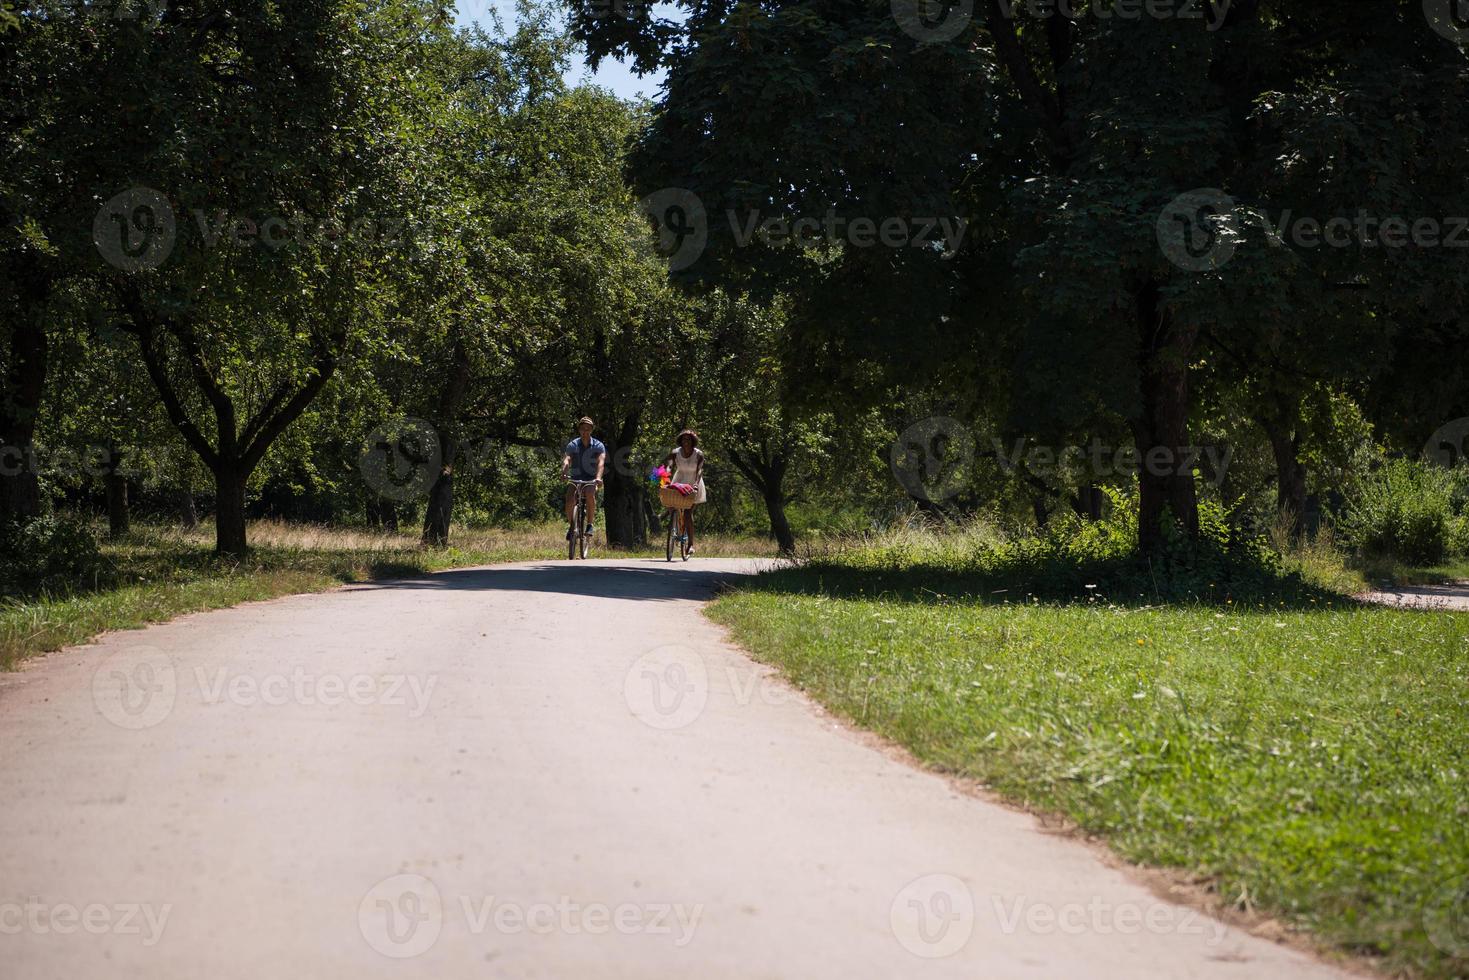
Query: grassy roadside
x,y
157,574
1306,757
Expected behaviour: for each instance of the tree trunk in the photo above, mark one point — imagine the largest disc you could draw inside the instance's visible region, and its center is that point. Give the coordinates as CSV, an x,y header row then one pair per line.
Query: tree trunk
x,y
188,513
182,493
118,520
780,527
623,493
116,486
1160,431
229,512
382,514
765,470
1290,473
440,512
1088,502
20,492
650,517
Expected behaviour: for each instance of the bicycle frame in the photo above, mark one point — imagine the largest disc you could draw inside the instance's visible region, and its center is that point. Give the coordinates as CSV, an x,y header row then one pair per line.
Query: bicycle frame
x,y
678,533
580,541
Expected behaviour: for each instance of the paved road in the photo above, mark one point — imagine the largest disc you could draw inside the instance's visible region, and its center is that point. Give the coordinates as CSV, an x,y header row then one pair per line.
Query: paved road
x,y
536,770
1448,598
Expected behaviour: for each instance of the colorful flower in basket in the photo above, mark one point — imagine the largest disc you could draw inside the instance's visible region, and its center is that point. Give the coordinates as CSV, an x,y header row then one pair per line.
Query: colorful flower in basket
x,y
660,477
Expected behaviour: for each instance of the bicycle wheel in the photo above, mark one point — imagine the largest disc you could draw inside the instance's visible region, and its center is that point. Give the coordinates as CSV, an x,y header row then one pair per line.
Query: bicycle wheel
x,y
685,542
672,526
585,537
578,519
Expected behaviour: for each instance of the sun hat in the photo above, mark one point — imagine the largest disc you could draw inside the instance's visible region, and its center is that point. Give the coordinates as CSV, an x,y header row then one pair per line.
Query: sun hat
x,y
586,420
686,432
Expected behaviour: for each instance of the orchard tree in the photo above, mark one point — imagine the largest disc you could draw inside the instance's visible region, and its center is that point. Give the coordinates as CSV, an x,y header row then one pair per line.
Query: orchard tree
x,y
544,300
38,42
1081,137
262,171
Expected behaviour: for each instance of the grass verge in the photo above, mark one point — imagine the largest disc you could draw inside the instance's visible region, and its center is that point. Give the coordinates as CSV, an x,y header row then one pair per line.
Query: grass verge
x,y
1310,758
156,574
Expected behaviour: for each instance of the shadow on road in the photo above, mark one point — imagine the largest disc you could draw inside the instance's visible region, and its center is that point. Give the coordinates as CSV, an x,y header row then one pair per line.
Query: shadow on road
x,y
655,580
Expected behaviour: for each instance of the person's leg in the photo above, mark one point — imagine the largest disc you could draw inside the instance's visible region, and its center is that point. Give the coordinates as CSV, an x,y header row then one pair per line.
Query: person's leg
x,y
570,506
689,527
591,493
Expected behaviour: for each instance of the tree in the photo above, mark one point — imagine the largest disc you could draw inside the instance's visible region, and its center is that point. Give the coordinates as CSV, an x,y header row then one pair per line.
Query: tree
x,y
546,301
286,135
1074,140
36,45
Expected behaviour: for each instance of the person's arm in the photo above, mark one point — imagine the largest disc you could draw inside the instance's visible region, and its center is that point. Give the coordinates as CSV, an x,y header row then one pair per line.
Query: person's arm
x,y
565,464
601,462
699,466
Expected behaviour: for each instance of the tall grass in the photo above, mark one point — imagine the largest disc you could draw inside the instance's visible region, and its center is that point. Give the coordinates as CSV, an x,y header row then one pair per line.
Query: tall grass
x,y
1073,559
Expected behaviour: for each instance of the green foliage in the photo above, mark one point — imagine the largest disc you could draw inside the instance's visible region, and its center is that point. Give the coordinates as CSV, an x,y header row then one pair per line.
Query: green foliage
x,y
47,555
1406,512
524,261
1459,536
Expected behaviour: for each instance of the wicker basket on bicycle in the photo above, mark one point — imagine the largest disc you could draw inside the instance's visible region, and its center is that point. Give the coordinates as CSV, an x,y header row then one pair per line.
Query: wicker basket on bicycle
x,y
671,498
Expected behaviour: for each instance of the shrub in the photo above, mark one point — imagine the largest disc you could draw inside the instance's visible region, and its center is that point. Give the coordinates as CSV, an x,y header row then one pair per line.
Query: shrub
x,y
1405,513
1459,536
48,554
1459,530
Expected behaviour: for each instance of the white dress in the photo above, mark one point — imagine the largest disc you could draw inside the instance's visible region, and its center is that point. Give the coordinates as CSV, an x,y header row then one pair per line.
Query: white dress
x,y
684,469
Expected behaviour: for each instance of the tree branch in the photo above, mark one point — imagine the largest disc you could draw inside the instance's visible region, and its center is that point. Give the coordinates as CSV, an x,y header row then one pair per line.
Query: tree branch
x,y
747,469
143,329
224,407
1033,94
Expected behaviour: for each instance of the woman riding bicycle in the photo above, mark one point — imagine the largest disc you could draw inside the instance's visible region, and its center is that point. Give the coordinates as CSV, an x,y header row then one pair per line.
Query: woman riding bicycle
x,y
686,461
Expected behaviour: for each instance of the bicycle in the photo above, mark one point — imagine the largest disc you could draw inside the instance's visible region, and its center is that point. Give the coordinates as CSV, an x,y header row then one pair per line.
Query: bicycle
x,y
581,539
677,505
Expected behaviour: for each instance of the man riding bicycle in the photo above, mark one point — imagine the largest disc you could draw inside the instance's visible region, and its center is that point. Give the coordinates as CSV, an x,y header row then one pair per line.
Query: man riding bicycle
x,y
581,463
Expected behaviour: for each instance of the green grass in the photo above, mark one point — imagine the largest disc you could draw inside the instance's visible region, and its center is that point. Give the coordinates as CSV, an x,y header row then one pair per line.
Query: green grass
x,y
1310,758
156,574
